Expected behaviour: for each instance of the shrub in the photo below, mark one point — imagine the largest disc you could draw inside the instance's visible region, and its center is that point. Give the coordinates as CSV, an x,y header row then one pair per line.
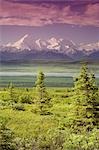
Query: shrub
x,y
26,99
6,138
19,107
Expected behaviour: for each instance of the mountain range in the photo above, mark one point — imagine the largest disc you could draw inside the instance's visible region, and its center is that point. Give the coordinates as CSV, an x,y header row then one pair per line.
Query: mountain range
x,y
28,48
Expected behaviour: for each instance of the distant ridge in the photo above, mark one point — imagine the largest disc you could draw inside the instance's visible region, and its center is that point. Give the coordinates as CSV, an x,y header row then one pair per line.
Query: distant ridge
x,y
28,48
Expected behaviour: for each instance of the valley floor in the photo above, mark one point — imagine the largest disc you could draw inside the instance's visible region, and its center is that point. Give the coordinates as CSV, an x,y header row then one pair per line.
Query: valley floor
x,y
47,130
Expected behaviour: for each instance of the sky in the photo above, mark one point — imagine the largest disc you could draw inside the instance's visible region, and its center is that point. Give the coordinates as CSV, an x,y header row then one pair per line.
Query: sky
x,y
77,20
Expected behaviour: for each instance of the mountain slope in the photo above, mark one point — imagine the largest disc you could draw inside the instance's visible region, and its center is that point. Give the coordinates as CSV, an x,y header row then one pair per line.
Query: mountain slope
x,y
54,48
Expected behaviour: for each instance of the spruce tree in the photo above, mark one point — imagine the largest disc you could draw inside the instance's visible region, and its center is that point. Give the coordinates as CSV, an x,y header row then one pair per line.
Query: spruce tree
x,y
6,138
94,98
43,100
85,97
12,93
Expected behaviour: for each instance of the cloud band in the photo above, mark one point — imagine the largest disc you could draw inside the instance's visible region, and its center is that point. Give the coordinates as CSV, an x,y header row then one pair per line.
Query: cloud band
x,y
30,13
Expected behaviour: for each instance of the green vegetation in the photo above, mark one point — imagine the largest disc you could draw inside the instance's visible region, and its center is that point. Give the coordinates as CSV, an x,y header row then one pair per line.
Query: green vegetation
x,y
41,118
43,100
6,138
61,73
29,81
84,106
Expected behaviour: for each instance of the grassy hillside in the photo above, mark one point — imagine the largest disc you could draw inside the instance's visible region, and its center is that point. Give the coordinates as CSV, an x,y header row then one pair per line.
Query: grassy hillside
x,y
28,125
47,118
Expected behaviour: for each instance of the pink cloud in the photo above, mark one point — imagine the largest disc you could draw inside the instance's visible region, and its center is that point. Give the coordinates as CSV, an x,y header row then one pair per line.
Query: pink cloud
x,y
92,10
43,14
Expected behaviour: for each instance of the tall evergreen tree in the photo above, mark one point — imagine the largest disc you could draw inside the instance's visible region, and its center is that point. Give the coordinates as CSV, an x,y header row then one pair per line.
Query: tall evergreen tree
x,y
85,97
94,97
43,100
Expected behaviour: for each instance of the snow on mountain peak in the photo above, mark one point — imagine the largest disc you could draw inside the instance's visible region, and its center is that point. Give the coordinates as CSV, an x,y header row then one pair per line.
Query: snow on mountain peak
x,y
20,44
67,46
24,37
9,44
53,44
38,43
29,43
90,47
53,41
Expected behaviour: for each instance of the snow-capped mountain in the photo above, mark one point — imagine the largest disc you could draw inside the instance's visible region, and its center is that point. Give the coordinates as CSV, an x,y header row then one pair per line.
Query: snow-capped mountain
x,y
90,47
26,42
53,44
54,47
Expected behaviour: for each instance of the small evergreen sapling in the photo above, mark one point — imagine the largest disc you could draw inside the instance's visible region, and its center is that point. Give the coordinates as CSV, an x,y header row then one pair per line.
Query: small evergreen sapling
x,y
12,93
43,99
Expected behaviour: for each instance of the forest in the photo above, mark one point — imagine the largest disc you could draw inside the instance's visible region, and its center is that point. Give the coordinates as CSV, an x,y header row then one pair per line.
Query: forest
x,y
43,118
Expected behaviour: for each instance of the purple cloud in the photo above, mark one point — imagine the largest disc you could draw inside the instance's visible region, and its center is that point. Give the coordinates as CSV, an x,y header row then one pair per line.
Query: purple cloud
x,y
40,13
